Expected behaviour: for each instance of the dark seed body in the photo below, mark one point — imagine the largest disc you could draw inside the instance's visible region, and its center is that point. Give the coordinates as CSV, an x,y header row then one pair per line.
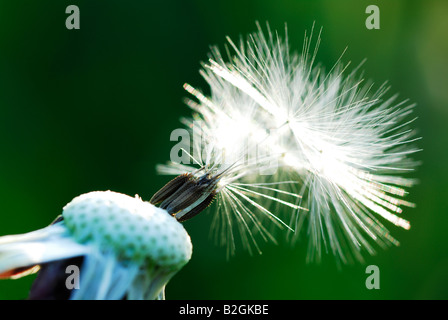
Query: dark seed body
x,y
181,197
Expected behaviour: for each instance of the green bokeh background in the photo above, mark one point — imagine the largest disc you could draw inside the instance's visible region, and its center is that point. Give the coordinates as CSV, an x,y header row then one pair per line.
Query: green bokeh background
x,y
93,109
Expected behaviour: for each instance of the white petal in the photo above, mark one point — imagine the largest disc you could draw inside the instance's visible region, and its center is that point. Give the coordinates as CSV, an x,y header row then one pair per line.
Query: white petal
x,y
37,247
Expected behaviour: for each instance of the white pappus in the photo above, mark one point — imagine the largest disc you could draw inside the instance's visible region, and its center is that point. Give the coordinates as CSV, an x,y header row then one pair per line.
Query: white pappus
x,y
278,129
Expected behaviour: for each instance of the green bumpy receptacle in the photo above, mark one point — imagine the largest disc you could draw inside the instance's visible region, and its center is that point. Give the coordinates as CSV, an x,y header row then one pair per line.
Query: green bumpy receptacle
x,y
134,229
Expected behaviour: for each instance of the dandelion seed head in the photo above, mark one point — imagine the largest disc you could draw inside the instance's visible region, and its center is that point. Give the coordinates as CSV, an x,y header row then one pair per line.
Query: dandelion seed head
x,y
324,144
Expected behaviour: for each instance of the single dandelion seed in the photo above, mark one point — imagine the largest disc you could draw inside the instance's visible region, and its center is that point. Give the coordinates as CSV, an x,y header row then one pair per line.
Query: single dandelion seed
x,y
278,131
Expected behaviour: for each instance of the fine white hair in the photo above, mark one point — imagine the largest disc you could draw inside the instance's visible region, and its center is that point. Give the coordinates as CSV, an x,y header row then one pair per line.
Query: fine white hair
x,y
280,129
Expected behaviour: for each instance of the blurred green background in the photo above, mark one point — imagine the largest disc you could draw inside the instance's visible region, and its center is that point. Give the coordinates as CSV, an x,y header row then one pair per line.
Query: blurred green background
x,y
93,109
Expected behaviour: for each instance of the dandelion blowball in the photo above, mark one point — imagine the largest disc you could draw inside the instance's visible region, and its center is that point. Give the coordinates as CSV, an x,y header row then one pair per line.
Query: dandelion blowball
x,y
135,229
